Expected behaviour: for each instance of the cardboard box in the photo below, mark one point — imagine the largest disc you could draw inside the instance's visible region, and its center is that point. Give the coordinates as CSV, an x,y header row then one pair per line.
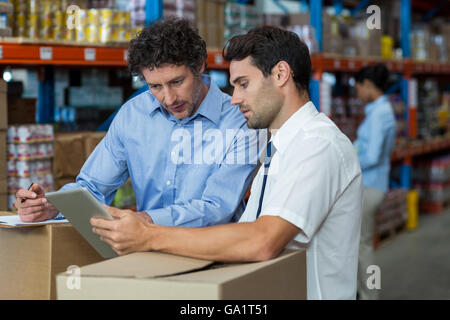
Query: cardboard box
x,y
71,150
153,275
68,149
3,201
60,182
3,186
3,105
91,140
30,258
22,111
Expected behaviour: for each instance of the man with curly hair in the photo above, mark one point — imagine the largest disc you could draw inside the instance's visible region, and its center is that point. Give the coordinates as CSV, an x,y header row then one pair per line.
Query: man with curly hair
x,y
163,140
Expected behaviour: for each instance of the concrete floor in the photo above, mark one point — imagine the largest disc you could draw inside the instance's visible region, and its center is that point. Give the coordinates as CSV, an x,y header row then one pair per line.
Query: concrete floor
x,y
416,263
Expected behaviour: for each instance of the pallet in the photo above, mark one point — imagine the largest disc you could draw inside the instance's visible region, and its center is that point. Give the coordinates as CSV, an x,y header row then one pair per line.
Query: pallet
x,y
383,237
434,207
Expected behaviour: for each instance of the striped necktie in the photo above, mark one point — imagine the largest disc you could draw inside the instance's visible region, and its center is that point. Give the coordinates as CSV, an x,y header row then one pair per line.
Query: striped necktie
x,y
267,160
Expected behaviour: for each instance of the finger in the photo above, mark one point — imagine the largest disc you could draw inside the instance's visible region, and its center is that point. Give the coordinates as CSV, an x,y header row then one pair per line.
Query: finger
x,y
115,212
32,210
112,244
31,203
38,189
22,193
36,217
104,233
102,224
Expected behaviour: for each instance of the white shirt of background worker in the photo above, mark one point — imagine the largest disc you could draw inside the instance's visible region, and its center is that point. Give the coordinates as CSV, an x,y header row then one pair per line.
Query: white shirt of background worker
x,y
313,192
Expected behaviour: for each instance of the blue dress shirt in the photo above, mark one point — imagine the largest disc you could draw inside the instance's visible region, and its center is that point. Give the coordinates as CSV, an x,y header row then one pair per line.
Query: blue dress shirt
x,y
375,142
180,178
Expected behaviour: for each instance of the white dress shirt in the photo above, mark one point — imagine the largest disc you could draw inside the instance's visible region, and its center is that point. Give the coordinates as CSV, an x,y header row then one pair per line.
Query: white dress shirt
x,y
314,182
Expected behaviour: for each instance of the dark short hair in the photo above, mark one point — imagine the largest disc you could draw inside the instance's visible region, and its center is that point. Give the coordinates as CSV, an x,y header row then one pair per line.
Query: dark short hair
x,y
167,41
268,45
377,73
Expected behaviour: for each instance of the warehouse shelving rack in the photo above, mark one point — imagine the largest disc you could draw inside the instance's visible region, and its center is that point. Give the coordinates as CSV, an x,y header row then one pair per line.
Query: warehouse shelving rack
x,y
49,54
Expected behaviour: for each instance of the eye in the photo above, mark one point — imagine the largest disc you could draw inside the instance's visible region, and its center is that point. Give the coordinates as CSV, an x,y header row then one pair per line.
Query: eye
x,y
155,87
177,82
243,85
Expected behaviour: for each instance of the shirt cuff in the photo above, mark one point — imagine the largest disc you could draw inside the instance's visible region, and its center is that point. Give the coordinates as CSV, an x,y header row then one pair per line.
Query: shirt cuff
x,y
162,216
59,216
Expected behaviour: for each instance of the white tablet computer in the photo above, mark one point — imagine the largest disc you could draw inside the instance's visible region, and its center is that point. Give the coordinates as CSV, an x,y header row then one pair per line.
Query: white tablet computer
x,y
79,206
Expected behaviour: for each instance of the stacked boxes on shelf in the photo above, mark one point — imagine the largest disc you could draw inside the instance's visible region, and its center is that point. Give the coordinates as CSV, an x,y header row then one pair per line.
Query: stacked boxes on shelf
x,y
428,109
42,19
103,25
392,213
430,42
210,18
29,154
54,20
239,19
347,114
6,11
431,178
180,8
3,148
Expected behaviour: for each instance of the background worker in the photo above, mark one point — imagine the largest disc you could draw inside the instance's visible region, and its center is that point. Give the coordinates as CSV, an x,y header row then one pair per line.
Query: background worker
x,y
374,144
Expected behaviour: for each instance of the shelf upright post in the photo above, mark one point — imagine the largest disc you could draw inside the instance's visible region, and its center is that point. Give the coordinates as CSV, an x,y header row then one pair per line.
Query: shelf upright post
x,y
46,95
153,10
405,24
316,22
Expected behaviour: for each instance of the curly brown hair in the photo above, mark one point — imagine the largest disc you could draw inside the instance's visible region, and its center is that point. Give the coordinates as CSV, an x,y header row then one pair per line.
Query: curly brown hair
x,y
167,41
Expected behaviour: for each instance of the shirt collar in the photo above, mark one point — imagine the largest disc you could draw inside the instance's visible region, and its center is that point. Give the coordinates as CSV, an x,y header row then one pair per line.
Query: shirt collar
x,y
370,106
283,137
210,107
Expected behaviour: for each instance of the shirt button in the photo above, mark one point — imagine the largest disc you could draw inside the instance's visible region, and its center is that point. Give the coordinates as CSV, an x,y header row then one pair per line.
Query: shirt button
x,y
168,182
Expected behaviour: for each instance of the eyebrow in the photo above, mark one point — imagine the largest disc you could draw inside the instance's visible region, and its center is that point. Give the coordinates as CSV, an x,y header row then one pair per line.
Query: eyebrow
x,y
170,81
237,79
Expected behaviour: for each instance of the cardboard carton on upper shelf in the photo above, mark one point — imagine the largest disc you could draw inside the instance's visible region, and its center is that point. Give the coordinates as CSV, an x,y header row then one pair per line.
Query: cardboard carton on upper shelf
x,y
153,275
31,256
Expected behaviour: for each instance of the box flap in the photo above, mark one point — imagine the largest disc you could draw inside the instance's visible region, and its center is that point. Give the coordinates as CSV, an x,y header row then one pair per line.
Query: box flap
x,y
144,265
227,271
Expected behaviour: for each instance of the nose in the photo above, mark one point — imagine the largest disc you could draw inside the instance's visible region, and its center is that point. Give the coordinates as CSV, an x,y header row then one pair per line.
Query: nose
x,y
170,97
236,99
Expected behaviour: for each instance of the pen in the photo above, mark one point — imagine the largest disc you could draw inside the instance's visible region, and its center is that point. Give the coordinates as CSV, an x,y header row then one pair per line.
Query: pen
x,y
29,189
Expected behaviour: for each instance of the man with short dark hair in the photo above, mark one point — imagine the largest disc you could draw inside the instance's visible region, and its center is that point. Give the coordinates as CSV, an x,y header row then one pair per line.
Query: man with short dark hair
x,y
176,142
306,195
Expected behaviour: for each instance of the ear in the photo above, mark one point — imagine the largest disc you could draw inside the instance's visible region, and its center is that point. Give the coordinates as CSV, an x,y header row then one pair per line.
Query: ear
x,y
281,73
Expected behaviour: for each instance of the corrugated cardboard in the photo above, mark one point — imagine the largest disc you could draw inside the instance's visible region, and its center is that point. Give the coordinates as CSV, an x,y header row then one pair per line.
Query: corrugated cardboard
x,y
91,140
71,150
60,182
153,275
68,154
3,201
30,257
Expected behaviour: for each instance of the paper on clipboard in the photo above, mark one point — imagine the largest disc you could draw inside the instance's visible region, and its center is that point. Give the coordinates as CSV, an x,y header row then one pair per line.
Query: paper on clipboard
x,y
14,221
